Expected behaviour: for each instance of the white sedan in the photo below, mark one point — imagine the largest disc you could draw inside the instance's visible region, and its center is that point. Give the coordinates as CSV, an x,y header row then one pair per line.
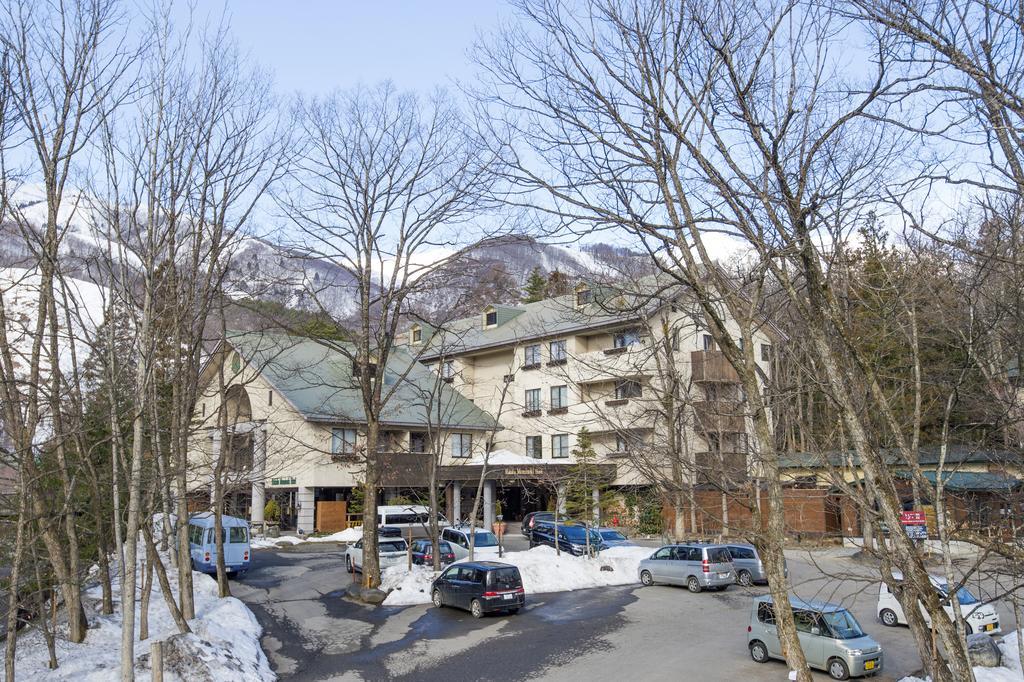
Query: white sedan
x,y
392,552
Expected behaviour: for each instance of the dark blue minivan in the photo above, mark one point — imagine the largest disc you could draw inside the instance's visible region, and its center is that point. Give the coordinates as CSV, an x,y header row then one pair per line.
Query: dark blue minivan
x,y
480,587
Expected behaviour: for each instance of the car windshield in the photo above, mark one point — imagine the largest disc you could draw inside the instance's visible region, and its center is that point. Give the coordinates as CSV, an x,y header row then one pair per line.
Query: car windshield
x,y
612,535
486,539
393,546
843,624
963,595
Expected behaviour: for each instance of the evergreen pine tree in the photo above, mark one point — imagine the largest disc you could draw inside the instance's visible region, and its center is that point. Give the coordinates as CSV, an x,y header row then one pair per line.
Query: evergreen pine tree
x,y
536,286
583,477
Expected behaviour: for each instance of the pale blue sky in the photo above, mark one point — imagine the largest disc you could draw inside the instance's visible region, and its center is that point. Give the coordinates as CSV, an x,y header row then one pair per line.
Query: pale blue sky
x,y
317,45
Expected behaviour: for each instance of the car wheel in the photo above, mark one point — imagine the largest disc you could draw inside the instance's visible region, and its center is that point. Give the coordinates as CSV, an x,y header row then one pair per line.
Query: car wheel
x,y
743,578
758,652
837,669
477,609
646,578
436,598
888,618
693,584
348,564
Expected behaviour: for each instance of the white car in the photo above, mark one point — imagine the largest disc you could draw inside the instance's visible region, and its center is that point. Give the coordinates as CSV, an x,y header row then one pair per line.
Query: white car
x,y
392,552
978,617
416,517
485,547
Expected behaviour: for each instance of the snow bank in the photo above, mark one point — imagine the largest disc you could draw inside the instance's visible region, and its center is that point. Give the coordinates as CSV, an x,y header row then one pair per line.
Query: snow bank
x,y
541,568
224,643
1009,671
347,535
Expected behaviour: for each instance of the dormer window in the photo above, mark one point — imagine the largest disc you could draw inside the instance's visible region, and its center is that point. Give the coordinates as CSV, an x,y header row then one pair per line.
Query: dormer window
x,y
584,297
417,335
490,318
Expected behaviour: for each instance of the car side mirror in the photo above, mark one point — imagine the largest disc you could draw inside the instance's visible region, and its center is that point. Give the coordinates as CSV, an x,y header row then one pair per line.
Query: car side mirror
x,y
815,631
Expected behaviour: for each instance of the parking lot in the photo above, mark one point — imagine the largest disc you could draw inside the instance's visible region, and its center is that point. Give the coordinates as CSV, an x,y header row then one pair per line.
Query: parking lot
x,y
311,632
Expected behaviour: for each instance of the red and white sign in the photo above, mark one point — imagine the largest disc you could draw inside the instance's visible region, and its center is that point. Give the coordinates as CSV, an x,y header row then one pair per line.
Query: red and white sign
x,y
913,518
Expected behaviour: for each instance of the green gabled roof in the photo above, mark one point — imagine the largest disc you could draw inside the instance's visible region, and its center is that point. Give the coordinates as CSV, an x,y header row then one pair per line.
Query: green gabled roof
x,y
316,378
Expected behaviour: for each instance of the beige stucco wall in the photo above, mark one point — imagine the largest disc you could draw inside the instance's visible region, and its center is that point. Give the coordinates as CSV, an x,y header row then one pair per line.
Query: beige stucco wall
x,y
590,376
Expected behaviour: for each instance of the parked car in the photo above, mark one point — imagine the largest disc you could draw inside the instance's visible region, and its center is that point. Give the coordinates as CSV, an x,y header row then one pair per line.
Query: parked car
x,y
697,566
572,537
404,517
613,537
423,551
532,518
390,552
748,565
978,616
485,545
203,546
830,636
480,587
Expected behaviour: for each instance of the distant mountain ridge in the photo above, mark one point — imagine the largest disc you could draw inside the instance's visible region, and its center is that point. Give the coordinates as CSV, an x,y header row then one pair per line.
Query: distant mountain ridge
x,y
494,271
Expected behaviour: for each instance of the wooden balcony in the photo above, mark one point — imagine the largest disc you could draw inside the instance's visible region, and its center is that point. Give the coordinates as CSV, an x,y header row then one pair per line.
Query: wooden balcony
x,y
710,366
720,469
719,416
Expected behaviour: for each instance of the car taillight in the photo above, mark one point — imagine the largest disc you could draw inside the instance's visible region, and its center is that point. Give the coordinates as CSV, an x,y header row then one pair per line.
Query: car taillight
x,y
206,557
245,557
490,594
428,557
749,629
520,590
705,567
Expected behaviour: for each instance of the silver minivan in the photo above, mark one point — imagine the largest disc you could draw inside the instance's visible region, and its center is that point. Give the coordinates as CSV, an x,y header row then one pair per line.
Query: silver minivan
x,y
830,636
697,566
749,568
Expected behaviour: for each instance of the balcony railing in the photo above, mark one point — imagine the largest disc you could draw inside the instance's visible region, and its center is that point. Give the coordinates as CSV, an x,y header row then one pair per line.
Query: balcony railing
x,y
720,416
722,469
710,366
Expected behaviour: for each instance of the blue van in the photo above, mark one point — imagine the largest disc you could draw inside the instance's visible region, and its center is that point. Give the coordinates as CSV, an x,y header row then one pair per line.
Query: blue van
x,y
204,548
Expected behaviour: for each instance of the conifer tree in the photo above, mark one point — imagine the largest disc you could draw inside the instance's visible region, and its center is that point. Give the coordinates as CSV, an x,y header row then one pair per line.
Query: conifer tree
x,y
536,286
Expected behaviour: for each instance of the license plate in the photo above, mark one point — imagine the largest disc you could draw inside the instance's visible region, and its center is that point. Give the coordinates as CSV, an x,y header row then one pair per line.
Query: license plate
x,y
723,575
869,665
508,596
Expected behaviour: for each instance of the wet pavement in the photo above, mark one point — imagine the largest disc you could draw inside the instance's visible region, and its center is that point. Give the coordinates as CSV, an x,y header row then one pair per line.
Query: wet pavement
x,y
311,632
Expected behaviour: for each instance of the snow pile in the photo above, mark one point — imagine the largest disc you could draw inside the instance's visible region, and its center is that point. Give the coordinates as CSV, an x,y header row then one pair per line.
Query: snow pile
x,y
224,643
542,570
347,535
1009,671
406,587
270,543
503,457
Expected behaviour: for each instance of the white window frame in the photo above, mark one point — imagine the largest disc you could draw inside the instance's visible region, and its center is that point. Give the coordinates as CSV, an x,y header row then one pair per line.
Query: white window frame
x,y
556,350
532,405
621,393
461,445
448,369
346,437
535,447
562,392
560,446
531,355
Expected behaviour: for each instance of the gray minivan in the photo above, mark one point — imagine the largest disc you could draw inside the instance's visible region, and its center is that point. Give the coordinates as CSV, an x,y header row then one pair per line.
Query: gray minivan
x,y
830,636
694,565
749,568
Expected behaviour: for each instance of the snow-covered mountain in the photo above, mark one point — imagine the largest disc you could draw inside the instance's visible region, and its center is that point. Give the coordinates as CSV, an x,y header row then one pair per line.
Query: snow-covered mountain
x,y
493,272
